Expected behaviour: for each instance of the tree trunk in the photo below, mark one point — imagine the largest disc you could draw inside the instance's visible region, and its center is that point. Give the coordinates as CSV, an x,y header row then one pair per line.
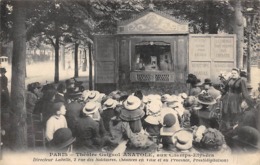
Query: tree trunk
x,y
18,138
239,31
56,74
212,20
76,64
90,66
63,56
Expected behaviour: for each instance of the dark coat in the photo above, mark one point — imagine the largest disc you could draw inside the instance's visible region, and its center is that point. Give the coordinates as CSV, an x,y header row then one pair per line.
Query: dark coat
x,y
87,134
59,98
106,116
73,114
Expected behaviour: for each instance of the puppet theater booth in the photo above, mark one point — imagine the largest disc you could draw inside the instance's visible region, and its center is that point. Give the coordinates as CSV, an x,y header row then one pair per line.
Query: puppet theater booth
x,y
151,52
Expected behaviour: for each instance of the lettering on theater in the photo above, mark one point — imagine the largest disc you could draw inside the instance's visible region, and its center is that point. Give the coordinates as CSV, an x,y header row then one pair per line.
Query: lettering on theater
x,y
157,48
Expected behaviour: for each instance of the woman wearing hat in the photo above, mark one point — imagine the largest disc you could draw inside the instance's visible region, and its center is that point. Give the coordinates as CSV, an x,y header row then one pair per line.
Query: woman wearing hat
x,y
204,110
4,89
194,88
152,123
231,101
131,115
108,112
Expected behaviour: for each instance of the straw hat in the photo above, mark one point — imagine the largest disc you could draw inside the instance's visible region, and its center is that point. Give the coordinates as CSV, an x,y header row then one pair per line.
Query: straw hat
x,y
93,96
85,94
153,112
110,103
132,103
183,140
90,108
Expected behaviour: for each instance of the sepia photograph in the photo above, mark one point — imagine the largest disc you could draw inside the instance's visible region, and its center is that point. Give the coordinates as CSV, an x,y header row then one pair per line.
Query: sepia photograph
x,y
130,82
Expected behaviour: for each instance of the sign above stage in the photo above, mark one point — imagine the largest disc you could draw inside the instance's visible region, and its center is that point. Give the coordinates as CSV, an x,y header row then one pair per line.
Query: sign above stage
x,y
153,22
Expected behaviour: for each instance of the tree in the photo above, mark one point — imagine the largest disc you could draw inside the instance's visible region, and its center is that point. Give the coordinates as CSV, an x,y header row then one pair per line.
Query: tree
x,y
18,136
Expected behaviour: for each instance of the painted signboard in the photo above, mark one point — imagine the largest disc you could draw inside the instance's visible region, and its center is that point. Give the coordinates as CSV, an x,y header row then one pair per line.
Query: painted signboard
x,y
211,54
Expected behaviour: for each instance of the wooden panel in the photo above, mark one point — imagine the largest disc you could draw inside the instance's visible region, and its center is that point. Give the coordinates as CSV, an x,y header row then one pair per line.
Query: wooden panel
x,y
105,48
223,48
201,69
105,59
211,54
182,58
105,72
199,48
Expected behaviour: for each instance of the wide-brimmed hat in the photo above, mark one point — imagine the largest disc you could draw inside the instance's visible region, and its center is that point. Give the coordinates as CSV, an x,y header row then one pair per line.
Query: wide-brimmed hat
x,y
90,108
3,70
110,103
85,94
153,107
205,98
153,113
183,139
93,96
192,79
62,138
207,81
249,136
212,140
131,115
132,103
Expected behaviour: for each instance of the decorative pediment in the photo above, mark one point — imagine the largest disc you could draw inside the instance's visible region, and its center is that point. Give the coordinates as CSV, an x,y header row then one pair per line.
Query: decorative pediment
x,y
153,22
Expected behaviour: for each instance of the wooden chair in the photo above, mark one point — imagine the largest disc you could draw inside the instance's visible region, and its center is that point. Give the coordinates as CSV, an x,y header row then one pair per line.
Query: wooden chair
x,y
38,131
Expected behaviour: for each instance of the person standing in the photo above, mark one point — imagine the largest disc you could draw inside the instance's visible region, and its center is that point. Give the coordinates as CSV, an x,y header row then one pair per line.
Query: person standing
x,y
231,101
4,89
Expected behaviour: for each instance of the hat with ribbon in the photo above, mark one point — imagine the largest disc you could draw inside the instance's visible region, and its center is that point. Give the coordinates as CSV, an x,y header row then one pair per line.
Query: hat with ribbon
x,y
85,94
132,103
93,96
62,138
132,109
90,108
183,140
153,113
206,99
110,103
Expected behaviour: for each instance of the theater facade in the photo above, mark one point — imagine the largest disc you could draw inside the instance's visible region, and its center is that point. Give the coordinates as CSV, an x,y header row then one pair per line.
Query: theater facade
x,y
155,50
